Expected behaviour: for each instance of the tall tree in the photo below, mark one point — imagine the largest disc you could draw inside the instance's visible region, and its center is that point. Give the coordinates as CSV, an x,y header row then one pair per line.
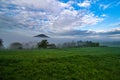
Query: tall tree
x,y
43,44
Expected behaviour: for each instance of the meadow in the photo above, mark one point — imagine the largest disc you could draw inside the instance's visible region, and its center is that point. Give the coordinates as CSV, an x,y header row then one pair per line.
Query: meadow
x,y
92,63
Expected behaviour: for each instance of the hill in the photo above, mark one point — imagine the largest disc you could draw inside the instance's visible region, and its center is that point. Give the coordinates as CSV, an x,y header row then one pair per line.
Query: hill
x,y
41,36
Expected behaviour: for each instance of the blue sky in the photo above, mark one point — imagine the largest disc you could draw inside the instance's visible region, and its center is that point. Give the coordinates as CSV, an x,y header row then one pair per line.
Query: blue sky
x,y
93,19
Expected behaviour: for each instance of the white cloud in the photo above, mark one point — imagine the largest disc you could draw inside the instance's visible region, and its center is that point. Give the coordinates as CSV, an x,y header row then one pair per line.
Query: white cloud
x,y
104,6
45,5
90,19
115,29
86,3
103,15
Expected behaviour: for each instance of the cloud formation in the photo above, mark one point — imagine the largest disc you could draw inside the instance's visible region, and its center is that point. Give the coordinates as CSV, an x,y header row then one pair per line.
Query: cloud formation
x,y
85,3
47,16
114,33
57,18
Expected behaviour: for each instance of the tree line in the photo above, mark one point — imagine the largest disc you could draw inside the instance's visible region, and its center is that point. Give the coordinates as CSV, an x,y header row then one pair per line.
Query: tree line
x,y
45,44
74,44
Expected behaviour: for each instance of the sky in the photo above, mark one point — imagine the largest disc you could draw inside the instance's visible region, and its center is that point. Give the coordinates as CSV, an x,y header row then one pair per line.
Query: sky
x,y
78,19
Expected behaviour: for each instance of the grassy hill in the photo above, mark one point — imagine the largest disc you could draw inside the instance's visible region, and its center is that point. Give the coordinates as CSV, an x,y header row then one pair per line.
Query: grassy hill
x,y
100,63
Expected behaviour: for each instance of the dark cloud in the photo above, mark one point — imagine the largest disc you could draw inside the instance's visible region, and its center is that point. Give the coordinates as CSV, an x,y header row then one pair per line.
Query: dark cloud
x,y
79,33
91,33
112,32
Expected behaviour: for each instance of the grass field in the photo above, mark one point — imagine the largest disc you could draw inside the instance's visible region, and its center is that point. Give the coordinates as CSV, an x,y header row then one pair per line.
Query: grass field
x,y
100,63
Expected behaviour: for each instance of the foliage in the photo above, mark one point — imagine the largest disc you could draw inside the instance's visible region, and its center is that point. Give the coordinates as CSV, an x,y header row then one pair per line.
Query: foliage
x,y
43,44
98,63
91,44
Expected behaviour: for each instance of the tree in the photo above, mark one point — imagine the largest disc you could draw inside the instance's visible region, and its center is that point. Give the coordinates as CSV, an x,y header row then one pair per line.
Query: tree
x,y
1,44
16,45
51,46
43,44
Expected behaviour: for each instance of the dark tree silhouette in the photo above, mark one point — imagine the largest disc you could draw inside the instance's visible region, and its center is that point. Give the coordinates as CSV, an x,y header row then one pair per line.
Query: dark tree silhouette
x,y
43,44
1,43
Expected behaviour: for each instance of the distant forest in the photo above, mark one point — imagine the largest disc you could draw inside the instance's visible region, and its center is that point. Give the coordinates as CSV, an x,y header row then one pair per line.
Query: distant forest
x,y
80,43
45,44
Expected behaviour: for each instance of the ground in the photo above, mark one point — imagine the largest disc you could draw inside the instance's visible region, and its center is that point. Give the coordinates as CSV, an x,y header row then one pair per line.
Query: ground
x,y
96,63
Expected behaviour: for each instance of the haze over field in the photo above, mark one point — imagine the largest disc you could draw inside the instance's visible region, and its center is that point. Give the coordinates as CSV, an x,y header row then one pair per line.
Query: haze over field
x,y
62,20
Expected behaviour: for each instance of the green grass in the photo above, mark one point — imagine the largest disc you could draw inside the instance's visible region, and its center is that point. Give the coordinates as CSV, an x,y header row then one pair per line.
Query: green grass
x,y
101,63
